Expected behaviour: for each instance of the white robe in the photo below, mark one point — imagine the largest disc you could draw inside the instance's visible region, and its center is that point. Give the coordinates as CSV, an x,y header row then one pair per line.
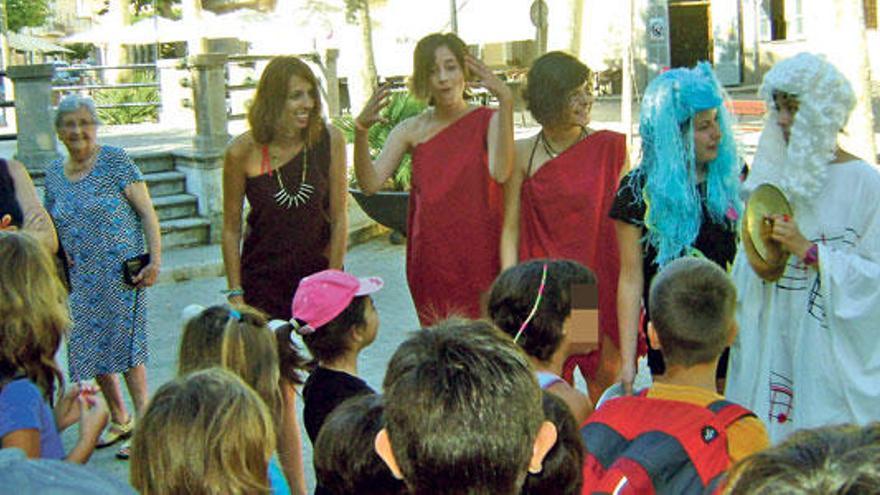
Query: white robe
x,y
808,349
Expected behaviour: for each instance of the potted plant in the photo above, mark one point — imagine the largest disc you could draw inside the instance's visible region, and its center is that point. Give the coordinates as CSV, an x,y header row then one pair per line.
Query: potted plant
x,y
389,206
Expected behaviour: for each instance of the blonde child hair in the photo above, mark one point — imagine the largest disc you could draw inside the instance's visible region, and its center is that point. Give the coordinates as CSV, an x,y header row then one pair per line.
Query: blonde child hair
x,y
204,433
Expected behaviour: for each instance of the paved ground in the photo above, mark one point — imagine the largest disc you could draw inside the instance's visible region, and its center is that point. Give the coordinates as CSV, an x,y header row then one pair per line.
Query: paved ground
x,y
166,300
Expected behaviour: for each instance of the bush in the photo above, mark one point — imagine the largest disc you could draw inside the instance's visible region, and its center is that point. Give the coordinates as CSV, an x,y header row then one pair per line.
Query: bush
x,y
401,107
122,96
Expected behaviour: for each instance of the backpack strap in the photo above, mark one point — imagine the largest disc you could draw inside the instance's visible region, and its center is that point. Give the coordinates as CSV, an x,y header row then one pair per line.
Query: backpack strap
x,y
727,413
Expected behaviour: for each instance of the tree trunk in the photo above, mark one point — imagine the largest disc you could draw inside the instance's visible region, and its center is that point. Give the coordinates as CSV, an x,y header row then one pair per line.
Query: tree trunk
x,y
370,75
192,13
119,15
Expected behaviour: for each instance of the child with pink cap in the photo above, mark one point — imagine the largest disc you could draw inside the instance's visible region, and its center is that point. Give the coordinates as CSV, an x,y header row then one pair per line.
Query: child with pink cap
x,y
333,312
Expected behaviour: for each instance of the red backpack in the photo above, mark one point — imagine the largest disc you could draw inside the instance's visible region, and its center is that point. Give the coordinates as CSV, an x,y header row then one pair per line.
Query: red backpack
x,y
641,445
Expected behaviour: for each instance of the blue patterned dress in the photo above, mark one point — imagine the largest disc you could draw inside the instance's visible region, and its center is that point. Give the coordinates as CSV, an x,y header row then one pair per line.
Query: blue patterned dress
x,y
99,229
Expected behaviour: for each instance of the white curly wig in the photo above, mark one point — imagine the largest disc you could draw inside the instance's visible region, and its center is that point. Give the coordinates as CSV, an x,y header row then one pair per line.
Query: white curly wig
x,y
825,101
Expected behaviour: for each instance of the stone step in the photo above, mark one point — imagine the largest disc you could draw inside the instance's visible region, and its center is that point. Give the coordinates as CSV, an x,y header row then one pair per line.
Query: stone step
x,y
152,162
183,232
166,183
176,206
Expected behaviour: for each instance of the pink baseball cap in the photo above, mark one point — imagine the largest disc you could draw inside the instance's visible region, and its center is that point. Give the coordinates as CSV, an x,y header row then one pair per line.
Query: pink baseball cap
x,y
322,296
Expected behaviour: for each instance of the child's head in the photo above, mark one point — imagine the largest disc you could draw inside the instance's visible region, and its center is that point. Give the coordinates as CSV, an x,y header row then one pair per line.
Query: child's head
x,y
33,312
517,291
345,461
842,459
334,314
692,311
238,340
563,466
206,432
462,405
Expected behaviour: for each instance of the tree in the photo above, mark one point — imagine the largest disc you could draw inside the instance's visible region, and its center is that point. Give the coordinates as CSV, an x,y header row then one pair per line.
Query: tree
x,y
25,13
358,11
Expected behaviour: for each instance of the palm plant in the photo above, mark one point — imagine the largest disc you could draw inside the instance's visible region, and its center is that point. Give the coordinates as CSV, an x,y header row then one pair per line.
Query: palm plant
x,y
401,107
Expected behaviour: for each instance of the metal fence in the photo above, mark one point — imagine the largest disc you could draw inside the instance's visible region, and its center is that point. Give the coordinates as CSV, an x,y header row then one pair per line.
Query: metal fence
x,y
94,82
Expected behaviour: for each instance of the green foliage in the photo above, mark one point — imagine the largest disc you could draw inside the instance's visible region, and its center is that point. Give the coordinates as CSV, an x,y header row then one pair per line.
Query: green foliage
x,y
401,107
26,13
128,114
166,8
81,51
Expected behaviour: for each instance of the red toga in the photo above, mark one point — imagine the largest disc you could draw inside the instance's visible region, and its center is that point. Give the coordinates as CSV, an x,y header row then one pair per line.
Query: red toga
x,y
455,212
564,214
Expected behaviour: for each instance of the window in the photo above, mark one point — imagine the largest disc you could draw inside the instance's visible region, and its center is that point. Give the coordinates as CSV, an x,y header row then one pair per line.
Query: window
x,y
781,20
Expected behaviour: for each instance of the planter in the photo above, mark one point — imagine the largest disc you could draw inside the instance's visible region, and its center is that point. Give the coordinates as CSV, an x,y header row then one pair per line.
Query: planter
x,y
388,208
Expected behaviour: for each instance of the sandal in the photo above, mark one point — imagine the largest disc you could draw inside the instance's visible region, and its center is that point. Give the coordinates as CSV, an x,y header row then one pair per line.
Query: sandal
x,y
124,452
115,433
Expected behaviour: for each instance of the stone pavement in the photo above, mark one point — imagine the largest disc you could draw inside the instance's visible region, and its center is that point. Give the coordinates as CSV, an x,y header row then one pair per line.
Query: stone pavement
x,y
166,300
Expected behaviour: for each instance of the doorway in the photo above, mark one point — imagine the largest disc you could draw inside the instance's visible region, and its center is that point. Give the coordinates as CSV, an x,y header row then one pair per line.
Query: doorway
x,y
690,36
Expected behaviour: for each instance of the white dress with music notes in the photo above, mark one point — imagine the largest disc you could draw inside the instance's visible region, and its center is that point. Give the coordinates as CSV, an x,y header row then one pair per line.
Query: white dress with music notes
x,y
808,349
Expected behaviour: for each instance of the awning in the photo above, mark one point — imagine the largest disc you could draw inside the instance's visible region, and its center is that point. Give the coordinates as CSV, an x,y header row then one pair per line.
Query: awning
x,y
26,43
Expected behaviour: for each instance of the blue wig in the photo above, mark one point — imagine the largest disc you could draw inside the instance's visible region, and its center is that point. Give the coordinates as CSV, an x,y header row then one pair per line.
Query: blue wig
x,y
674,213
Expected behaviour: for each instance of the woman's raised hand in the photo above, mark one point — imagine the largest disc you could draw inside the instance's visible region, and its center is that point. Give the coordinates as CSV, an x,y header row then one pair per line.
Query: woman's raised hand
x,y
485,78
370,114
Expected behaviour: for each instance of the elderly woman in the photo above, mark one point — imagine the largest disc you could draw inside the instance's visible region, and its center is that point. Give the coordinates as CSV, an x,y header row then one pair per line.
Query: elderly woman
x,y
682,199
101,207
20,208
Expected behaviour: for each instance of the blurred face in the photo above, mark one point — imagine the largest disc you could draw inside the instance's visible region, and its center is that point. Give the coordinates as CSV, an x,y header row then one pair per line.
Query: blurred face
x,y
707,135
78,131
786,107
299,104
580,103
447,78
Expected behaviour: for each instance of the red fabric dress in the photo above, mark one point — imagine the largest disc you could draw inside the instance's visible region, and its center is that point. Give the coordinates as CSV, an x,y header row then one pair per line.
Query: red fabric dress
x,y
454,225
564,214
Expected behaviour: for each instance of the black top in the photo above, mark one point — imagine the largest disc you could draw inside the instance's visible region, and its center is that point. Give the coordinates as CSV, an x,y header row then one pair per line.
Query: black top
x,y
716,241
8,202
324,390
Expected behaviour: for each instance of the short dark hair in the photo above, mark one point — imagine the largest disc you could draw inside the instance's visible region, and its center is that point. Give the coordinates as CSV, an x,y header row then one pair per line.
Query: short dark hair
x,y
333,339
552,77
462,405
563,465
513,295
842,459
345,461
423,61
692,308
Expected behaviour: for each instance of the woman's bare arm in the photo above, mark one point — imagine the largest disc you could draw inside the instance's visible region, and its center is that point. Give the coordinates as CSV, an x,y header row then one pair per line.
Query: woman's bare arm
x,y
371,175
338,199
36,221
629,297
233,199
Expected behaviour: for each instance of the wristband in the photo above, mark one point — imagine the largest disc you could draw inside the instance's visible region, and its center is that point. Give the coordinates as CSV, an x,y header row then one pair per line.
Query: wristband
x,y
811,257
234,292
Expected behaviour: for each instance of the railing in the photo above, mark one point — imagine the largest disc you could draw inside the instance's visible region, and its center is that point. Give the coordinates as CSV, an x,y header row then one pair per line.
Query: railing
x,y
110,96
